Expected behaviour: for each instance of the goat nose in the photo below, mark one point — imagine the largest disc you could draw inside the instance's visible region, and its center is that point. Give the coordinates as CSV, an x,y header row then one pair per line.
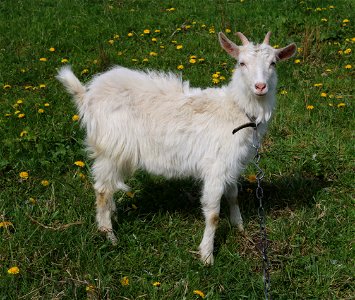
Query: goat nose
x,y
260,86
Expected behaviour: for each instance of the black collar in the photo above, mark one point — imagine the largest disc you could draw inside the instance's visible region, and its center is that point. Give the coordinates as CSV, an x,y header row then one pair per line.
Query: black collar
x,y
252,124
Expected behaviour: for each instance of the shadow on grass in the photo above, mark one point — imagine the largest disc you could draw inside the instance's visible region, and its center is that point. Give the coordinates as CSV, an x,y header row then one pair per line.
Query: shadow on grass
x,y
155,194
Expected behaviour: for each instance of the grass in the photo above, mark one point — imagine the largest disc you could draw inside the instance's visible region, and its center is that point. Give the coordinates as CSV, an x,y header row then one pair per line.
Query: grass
x,y
307,155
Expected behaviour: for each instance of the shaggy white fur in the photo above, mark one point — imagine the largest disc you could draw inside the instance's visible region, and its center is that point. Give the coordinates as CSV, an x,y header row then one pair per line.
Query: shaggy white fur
x,y
156,122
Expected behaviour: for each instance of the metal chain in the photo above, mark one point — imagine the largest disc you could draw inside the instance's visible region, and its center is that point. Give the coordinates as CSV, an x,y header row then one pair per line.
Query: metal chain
x,y
262,217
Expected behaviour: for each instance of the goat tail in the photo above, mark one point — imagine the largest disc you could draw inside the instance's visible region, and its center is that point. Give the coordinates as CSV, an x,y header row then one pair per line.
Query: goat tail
x,y
72,84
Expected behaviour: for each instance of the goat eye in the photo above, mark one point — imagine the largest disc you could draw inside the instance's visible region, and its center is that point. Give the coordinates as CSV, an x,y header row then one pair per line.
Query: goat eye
x,y
242,64
273,64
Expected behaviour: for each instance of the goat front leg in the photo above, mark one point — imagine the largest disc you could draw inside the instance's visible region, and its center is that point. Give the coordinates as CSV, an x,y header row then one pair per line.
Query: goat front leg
x,y
231,195
211,199
105,208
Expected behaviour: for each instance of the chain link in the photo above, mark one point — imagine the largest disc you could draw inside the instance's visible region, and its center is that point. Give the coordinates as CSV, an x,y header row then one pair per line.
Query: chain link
x,y
263,246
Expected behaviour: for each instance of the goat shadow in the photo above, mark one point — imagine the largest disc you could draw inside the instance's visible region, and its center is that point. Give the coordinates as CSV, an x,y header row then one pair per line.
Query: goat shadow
x,y
156,194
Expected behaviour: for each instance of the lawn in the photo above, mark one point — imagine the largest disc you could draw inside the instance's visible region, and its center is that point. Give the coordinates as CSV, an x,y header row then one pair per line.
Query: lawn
x,y
49,244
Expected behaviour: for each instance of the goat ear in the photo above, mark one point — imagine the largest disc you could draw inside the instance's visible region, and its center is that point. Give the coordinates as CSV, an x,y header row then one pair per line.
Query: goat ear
x,y
287,52
231,48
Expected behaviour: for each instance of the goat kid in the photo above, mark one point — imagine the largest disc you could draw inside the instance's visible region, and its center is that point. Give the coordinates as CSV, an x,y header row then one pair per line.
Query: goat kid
x,y
157,122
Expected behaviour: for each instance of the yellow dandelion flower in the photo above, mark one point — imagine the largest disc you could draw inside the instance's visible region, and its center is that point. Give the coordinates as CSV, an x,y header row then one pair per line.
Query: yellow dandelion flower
x,y
222,78
145,59
13,271
342,104
134,60
178,47
201,59
28,87
347,51
331,6
318,85
215,75
111,42
130,34
153,53
6,224
21,116
90,288
171,9
156,284
199,293
297,61
79,163
41,111
154,40
324,20
32,201
46,104
130,194
75,118
19,101
45,182
85,71
340,52
23,133
346,21
309,107
124,281
157,30
228,30
146,31
180,67
215,80
116,36
24,175
7,86
323,95
43,59
348,67
283,92
251,178
42,86
51,49
64,60
192,61
162,47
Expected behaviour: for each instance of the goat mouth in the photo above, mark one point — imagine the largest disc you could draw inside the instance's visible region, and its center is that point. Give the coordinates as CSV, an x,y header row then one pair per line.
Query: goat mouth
x,y
260,94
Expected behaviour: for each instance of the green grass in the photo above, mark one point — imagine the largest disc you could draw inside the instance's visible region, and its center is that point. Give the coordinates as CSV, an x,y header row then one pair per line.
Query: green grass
x,y
307,155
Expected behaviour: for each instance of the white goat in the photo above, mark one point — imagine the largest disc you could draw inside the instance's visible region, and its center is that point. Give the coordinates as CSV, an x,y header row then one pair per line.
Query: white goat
x,y
156,122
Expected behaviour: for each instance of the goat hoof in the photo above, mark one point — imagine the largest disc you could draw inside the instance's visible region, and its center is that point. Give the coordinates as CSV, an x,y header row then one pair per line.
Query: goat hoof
x,y
207,260
112,238
240,227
